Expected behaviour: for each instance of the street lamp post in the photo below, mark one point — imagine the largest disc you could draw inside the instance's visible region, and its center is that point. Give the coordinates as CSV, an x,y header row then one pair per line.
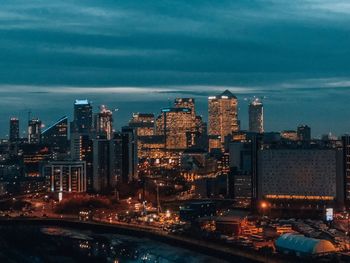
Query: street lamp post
x,y
263,207
159,209
158,201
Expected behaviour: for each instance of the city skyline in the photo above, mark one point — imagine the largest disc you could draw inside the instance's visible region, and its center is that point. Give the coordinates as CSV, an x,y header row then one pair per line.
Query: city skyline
x,y
290,53
277,116
174,130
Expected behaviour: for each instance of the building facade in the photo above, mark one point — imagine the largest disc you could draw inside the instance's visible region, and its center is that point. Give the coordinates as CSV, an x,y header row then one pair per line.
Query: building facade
x,y
14,130
304,133
66,176
82,150
102,180
300,174
176,125
256,116
129,155
143,123
34,131
223,115
56,135
104,123
82,122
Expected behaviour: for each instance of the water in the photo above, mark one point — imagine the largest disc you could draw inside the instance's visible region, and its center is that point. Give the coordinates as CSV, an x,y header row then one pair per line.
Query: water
x,y
34,244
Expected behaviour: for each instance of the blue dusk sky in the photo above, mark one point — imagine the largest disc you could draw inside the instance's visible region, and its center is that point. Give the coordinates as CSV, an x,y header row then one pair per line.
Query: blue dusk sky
x,y
138,55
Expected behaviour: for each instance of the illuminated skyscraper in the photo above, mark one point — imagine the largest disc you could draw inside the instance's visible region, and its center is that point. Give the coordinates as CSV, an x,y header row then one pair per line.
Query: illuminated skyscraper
x,y
144,126
189,103
14,130
175,124
256,116
34,131
82,122
82,150
304,133
104,122
180,126
197,129
185,103
143,123
56,135
223,114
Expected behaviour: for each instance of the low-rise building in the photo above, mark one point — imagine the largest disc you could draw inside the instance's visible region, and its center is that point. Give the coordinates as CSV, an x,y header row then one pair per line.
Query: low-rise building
x,y
66,176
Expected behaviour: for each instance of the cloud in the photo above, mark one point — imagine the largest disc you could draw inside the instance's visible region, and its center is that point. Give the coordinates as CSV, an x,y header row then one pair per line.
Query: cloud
x,y
88,51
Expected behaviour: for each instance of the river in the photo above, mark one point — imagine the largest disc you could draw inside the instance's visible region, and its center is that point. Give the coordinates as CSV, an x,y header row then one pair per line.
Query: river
x,y
36,244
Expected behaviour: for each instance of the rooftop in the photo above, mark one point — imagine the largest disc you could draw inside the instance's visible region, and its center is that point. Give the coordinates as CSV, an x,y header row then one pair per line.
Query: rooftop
x,y
225,95
304,245
81,102
228,94
176,110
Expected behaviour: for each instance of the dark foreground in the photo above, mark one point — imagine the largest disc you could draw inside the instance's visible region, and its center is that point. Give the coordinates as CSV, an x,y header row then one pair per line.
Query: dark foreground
x,y
57,244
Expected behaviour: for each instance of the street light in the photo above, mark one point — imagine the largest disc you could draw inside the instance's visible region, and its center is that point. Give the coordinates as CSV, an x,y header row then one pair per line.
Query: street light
x,y
158,201
167,214
264,206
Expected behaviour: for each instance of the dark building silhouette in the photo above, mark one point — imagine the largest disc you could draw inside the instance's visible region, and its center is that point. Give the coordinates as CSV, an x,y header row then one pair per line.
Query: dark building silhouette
x,y
56,135
82,122
102,180
116,158
14,130
304,133
129,154
34,131
346,167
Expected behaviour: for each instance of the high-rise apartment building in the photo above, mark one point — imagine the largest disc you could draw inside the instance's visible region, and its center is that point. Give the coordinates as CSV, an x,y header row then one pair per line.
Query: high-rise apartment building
x,y
346,167
82,122
102,180
144,126
56,135
143,123
175,124
104,122
129,154
34,131
186,103
14,130
223,114
304,133
180,125
116,159
82,150
198,129
256,116
66,176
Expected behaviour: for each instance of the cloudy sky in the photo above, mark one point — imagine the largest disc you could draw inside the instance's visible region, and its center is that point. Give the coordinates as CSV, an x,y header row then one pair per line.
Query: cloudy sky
x,y
137,55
